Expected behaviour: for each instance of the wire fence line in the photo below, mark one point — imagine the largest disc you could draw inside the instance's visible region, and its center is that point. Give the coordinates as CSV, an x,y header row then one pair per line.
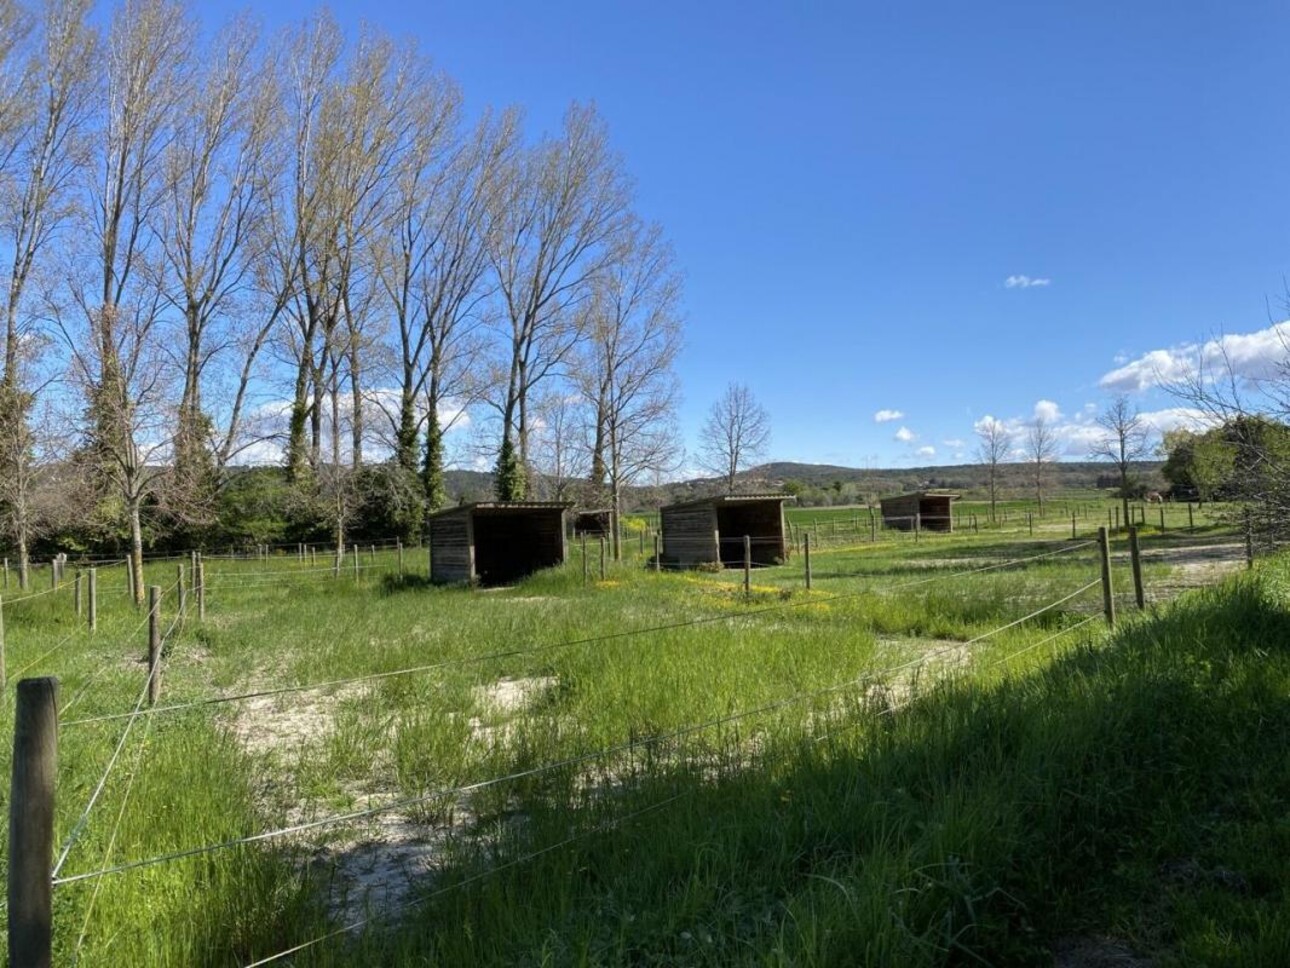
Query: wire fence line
x,y
573,838
577,760
546,647
79,827
516,862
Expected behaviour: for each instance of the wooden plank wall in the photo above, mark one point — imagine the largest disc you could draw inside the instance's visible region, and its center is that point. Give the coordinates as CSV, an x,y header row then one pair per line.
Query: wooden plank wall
x,y
452,552
690,535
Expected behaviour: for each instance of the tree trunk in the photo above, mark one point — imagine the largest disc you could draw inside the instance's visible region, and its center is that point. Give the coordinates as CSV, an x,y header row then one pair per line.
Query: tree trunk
x,y
136,549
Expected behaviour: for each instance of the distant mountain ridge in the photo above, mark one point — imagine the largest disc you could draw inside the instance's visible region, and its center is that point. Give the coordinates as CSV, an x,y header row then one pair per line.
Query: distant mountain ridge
x,y
971,479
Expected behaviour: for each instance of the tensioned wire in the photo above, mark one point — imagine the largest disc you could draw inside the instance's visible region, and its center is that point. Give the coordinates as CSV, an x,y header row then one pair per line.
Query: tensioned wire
x,y
570,761
79,827
570,643
568,841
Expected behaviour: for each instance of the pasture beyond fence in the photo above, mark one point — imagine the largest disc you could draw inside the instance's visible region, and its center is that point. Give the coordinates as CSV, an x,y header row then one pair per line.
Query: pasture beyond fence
x,y
36,873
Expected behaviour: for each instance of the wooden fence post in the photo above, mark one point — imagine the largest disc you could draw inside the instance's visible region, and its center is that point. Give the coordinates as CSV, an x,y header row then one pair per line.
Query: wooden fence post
x,y
31,823
1030,520
1072,525
181,598
658,554
154,643
92,612
6,574
584,558
1108,596
53,572
400,540
1162,518
602,557
355,547
747,566
1135,559
4,682
201,590
1249,539
806,557
873,527
129,578
76,594
918,526
1191,519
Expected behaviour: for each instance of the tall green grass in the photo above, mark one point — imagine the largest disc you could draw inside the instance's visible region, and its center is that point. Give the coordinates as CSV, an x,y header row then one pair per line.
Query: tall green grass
x,y
630,662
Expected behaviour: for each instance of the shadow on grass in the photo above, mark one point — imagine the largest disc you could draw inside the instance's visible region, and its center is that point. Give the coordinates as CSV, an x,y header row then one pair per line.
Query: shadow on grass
x,y
1136,790
394,584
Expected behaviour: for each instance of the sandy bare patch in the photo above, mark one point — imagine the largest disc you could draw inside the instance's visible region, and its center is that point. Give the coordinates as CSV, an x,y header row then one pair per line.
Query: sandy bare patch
x,y
513,695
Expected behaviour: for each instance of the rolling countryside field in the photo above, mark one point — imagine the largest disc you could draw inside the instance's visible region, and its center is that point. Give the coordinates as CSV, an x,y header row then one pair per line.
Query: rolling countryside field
x,y
919,759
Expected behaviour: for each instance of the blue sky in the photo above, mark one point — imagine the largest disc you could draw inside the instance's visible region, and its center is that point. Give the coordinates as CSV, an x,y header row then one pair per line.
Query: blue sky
x,y
850,187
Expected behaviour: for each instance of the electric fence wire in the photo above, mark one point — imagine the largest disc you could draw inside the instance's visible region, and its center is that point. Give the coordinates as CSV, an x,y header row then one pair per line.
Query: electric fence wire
x,y
535,649
576,760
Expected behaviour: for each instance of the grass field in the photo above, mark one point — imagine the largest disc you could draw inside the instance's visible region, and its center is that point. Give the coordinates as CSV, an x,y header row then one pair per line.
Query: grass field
x,y
658,768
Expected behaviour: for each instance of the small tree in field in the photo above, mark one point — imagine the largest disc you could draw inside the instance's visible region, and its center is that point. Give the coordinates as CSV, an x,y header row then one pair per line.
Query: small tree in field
x,y
736,433
1041,450
1124,441
994,441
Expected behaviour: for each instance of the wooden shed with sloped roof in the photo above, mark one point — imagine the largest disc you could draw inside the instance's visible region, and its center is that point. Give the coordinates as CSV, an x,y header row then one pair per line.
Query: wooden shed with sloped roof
x,y
926,510
711,530
594,524
496,542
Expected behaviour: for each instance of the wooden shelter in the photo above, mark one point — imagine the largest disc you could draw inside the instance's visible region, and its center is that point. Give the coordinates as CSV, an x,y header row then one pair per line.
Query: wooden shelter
x,y
496,542
594,524
924,510
712,529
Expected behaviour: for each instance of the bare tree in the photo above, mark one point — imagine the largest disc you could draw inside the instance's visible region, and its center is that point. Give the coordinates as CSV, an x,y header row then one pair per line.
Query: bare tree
x,y
993,443
433,268
555,213
149,60
559,456
626,374
44,99
215,170
1125,440
1041,450
736,433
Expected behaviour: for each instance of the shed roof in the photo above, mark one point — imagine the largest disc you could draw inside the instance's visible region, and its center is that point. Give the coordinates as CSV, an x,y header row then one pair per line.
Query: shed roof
x,y
952,495
729,499
505,506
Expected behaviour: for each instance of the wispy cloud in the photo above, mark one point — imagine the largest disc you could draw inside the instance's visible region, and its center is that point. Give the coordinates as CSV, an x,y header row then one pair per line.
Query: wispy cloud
x,y
905,435
954,443
926,451
886,416
1250,356
1025,282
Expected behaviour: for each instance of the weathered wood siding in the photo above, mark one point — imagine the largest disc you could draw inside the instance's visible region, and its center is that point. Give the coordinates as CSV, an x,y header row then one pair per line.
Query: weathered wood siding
x,y
690,535
452,551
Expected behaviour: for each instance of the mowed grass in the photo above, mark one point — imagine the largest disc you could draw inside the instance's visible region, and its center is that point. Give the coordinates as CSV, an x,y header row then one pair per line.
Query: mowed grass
x,y
708,806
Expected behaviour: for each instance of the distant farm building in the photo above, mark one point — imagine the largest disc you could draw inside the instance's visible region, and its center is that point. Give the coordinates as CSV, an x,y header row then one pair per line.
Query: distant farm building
x,y
712,530
494,543
928,510
594,524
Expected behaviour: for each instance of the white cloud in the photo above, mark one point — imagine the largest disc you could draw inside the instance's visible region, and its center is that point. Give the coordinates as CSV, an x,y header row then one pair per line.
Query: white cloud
x,y
954,443
1250,356
1175,418
885,416
926,452
905,435
1024,282
987,422
1048,412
